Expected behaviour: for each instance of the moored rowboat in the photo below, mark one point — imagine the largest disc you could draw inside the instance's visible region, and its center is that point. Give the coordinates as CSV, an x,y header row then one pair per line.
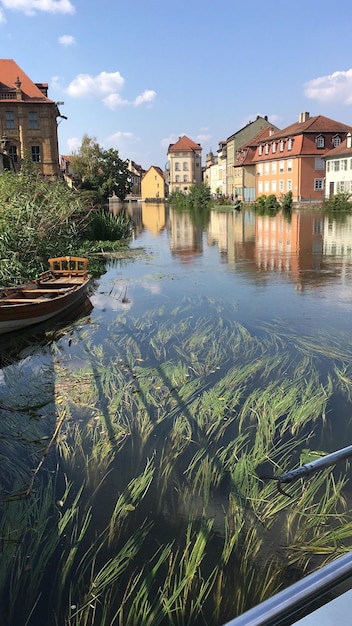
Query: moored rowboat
x,y
64,285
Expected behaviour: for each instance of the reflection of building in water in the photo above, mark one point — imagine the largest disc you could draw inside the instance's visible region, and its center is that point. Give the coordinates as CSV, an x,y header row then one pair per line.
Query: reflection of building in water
x,y
186,238
153,216
288,245
231,230
338,237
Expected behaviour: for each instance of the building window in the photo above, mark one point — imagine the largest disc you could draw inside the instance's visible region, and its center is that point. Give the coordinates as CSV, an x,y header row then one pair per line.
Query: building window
x,y
327,166
177,166
274,147
282,145
260,187
318,184
260,169
273,186
10,120
185,167
289,165
336,141
281,186
260,150
344,165
185,178
33,120
320,141
289,185
336,166
266,186
35,154
12,152
289,144
273,167
266,148
319,163
266,168
282,166
341,186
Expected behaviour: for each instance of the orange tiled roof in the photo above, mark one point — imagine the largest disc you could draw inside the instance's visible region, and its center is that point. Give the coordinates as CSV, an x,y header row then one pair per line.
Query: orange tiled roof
x,y
339,151
184,144
246,152
316,124
10,75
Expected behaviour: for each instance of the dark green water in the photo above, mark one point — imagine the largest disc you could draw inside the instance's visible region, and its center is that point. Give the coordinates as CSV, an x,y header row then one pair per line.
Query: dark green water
x,y
220,352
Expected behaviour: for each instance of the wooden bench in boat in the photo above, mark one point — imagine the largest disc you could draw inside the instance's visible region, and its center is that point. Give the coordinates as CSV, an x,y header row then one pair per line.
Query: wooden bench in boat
x,y
68,266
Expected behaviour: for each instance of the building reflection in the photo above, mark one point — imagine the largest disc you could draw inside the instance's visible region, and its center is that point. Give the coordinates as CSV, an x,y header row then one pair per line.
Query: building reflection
x,y
186,237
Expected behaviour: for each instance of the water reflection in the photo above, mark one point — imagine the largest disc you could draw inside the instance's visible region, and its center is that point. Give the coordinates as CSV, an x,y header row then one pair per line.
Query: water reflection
x,y
299,244
201,364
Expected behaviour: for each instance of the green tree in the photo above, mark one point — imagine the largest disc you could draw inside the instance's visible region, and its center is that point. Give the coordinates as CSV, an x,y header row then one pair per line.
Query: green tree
x,y
101,171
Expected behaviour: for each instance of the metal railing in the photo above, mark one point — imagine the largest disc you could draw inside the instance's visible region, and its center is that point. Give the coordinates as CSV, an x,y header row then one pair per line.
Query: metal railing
x,y
298,597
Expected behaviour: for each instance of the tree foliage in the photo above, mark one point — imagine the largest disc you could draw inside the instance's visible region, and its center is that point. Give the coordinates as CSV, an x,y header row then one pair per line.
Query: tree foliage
x,y
99,170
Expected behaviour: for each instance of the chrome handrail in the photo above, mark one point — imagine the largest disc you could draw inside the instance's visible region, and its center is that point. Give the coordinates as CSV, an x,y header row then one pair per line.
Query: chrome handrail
x,y
288,602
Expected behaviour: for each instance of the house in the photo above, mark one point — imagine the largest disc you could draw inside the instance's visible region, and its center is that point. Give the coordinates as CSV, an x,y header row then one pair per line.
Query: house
x,y
291,160
211,173
184,167
338,168
28,119
137,172
244,167
153,184
240,138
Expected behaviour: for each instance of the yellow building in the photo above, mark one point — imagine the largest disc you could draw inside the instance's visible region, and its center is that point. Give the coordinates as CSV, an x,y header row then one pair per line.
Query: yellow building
x,y
28,120
153,184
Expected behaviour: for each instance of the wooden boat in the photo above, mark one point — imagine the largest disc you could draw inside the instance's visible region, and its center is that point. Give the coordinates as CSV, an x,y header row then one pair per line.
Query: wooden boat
x,y
64,285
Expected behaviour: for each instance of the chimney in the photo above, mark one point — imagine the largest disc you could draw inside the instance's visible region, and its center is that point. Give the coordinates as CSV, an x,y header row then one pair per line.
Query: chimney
x,y
303,117
18,89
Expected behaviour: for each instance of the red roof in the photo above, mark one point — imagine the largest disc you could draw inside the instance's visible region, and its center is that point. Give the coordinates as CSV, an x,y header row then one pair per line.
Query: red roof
x,y
13,77
317,124
339,151
184,144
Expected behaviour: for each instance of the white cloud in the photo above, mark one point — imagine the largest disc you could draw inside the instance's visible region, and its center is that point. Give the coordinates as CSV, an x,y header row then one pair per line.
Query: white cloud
x,y
203,138
147,96
114,100
86,85
166,141
55,82
29,7
2,17
73,144
107,84
336,87
67,40
121,137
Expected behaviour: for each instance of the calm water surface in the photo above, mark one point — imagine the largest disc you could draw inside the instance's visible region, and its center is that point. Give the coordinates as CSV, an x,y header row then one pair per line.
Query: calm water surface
x,y
220,351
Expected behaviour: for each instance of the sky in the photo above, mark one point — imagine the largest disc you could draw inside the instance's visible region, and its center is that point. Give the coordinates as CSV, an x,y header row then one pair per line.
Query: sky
x,y
135,76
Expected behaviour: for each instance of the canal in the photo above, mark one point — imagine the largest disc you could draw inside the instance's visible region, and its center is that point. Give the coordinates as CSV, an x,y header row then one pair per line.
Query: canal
x,y
139,443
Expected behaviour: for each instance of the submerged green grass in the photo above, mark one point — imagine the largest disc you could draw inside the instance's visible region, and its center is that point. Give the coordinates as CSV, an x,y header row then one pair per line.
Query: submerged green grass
x,y
150,508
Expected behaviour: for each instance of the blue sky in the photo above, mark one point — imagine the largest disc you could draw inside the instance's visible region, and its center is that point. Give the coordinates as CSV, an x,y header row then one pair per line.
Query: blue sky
x,y
137,75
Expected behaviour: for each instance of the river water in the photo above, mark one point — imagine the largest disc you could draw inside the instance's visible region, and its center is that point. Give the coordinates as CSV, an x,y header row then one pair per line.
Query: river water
x,y
217,354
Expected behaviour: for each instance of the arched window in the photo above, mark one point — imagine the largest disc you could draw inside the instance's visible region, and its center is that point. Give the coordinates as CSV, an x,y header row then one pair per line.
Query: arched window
x,y
320,141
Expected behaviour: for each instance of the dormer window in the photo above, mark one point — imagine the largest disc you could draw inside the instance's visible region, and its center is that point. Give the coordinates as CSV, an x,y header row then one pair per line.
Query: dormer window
x,y
274,147
320,141
260,150
282,145
336,141
266,148
289,144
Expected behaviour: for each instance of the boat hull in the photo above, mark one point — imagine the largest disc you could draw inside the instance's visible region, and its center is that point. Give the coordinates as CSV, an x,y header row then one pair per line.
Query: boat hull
x,y
48,297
